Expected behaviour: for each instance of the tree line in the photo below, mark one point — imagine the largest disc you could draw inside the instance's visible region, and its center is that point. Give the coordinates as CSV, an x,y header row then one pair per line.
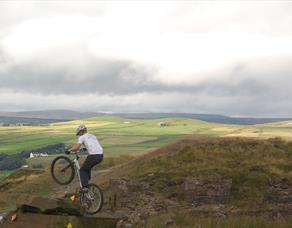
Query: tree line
x,y
15,161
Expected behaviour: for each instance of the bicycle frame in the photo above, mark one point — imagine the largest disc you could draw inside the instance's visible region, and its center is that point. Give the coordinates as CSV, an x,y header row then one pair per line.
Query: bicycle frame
x,y
77,168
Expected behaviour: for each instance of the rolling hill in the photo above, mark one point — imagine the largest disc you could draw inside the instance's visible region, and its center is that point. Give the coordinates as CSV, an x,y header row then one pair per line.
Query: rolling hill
x,y
131,136
74,115
25,121
50,114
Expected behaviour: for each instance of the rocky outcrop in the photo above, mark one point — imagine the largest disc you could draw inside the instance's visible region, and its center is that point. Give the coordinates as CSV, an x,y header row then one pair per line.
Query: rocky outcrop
x,y
207,191
29,220
133,201
280,192
51,213
136,200
52,207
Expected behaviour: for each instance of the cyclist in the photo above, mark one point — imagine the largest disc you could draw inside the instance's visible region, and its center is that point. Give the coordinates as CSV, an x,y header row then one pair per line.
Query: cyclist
x,y
95,153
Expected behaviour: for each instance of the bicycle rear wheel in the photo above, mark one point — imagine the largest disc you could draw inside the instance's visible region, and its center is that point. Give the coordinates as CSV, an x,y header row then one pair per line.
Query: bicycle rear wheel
x,y
62,170
92,201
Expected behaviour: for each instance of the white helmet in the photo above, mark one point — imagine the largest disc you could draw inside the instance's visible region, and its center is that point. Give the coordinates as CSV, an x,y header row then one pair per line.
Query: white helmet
x,y
80,128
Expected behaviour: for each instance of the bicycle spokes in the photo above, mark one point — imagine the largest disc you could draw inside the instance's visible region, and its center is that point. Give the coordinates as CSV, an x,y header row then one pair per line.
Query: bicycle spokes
x,y
66,167
62,170
92,200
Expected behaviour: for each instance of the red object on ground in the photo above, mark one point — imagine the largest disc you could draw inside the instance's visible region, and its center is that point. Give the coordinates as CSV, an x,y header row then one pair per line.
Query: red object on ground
x,y
14,217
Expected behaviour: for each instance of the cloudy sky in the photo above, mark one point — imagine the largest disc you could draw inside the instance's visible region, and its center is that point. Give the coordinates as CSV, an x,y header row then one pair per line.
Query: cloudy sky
x,y
222,57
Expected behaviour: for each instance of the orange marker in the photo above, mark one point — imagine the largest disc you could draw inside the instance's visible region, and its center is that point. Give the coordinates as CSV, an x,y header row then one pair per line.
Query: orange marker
x,y
13,217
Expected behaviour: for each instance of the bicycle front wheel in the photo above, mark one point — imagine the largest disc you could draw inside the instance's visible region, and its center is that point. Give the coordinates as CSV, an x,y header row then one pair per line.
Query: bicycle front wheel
x,y
62,170
92,200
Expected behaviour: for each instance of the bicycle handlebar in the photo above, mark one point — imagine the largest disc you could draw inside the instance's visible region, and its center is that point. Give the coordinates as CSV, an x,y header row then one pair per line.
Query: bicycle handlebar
x,y
80,150
76,153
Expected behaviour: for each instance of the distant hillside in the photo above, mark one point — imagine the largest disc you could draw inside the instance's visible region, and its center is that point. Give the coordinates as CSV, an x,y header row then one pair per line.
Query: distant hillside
x,y
204,117
51,114
4,120
74,115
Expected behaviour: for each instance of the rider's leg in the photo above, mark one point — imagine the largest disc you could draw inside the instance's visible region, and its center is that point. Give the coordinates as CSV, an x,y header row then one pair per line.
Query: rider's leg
x,y
89,175
84,177
85,171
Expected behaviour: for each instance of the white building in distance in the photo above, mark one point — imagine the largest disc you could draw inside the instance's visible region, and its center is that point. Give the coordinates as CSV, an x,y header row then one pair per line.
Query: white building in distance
x,y
32,155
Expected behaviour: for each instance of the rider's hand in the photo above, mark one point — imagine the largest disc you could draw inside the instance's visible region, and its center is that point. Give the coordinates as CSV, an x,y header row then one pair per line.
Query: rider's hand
x,y
67,152
83,150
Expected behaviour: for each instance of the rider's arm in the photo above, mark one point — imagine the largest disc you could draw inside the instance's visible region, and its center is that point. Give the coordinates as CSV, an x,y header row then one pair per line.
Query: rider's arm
x,y
75,148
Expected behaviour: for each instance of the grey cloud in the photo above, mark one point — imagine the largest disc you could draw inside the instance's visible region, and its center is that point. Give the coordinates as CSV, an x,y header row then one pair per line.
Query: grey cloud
x,y
108,77
151,102
103,77
117,77
240,96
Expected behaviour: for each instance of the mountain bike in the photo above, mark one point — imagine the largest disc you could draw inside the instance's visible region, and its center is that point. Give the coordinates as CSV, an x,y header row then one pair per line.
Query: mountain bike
x,y
63,171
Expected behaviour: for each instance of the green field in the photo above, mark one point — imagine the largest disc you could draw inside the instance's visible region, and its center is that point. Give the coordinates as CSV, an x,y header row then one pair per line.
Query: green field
x,y
130,136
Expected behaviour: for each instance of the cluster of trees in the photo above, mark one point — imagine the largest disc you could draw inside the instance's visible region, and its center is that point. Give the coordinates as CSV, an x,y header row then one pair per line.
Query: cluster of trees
x,y
15,161
10,162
